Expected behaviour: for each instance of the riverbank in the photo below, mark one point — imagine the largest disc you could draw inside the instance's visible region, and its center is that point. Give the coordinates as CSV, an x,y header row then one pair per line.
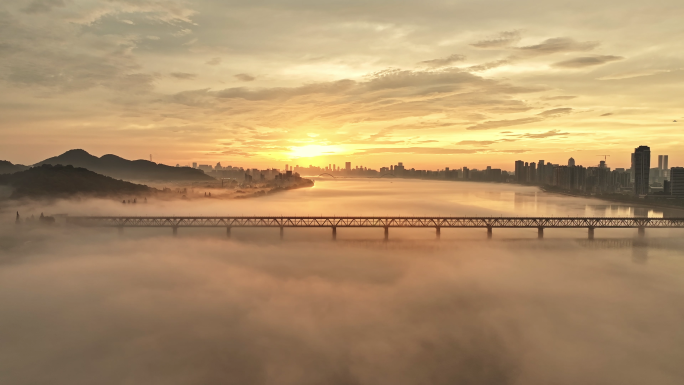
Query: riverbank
x,y
627,200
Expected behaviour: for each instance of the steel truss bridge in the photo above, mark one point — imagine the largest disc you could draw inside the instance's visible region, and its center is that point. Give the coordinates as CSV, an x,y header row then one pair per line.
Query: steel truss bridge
x,y
489,223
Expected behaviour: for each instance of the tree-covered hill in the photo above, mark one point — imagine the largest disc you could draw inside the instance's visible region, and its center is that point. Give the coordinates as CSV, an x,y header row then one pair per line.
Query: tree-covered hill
x,y
7,167
120,168
63,181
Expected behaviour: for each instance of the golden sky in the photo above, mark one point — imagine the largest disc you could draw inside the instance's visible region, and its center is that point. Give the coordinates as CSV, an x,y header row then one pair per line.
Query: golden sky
x,y
429,83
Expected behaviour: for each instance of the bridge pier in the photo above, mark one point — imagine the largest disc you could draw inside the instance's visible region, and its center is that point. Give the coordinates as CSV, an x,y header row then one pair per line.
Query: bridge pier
x,y
386,233
438,232
282,231
175,231
228,232
591,233
642,232
489,232
540,232
334,233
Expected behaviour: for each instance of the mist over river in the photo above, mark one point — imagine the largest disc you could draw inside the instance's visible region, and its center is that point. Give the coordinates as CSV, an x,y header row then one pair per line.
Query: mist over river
x,y
87,306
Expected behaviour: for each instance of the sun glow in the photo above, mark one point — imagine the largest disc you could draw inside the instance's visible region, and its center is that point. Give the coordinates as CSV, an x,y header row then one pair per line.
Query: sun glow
x,y
313,150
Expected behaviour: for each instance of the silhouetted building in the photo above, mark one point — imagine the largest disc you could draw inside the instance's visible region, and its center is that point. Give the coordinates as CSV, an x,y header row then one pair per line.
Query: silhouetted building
x,y
399,169
520,171
641,166
677,181
347,166
662,162
571,162
532,172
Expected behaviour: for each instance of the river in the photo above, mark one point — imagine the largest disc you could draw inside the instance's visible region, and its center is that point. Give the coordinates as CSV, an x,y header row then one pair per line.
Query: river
x,y
83,306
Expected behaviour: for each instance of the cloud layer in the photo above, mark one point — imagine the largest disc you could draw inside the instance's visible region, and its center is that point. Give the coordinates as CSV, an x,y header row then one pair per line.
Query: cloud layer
x,y
188,78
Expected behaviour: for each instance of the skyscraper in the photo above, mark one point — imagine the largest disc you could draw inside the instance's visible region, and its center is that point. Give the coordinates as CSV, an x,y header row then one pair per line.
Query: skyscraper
x,y
660,162
347,166
571,162
677,181
641,165
520,171
532,172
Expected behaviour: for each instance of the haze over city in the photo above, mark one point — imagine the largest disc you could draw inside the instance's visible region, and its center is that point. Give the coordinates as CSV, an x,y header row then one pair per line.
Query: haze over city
x,y
341,192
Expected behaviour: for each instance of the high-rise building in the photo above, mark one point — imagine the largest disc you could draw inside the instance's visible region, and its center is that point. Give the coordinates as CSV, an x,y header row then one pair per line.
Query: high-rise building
x,y
194,164
677,181
571,162
641,166
662,162
532,172
287,167
540,171
347,166
399,169
520,171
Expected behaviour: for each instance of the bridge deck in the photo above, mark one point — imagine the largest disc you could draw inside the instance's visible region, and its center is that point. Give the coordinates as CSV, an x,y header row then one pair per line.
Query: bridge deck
x,y
383,222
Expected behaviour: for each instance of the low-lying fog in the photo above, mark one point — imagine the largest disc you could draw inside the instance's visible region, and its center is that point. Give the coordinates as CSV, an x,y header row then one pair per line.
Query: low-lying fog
x,y
86,306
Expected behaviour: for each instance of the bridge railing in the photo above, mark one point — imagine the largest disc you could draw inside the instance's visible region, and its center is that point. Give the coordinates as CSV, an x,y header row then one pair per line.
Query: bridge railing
x,y
590,223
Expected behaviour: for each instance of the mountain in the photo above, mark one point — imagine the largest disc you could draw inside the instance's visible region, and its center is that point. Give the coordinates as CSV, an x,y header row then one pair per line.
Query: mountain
x,y
120,168
8,168
62,181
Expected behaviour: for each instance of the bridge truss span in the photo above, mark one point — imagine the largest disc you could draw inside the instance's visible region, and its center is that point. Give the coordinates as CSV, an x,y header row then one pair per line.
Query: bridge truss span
x,y
383,222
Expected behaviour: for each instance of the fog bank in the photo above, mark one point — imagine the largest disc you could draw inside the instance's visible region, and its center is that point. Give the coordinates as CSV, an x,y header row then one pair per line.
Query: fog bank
x,y
85,306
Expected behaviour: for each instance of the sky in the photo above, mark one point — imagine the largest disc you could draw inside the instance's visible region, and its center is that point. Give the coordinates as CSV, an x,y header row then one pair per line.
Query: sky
x,y
262,83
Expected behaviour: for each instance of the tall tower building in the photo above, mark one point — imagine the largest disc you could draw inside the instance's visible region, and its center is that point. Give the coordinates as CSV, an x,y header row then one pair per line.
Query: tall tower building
x,y
532,172
520,171
660,162
677,181
641,165
347,166
571,162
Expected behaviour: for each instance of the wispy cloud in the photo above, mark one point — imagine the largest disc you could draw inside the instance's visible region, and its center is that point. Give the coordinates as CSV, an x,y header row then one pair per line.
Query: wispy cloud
x,y
587,61
443,62
558,44
491,124
503,39
183,75
546,134
42,6
556,112
245,77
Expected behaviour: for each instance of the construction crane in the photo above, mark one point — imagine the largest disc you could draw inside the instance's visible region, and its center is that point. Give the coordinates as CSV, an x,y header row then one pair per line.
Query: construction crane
x,y
605,157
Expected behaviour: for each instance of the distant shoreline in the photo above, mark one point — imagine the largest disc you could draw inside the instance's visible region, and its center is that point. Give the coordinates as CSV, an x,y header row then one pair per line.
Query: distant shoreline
x,y
628,201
